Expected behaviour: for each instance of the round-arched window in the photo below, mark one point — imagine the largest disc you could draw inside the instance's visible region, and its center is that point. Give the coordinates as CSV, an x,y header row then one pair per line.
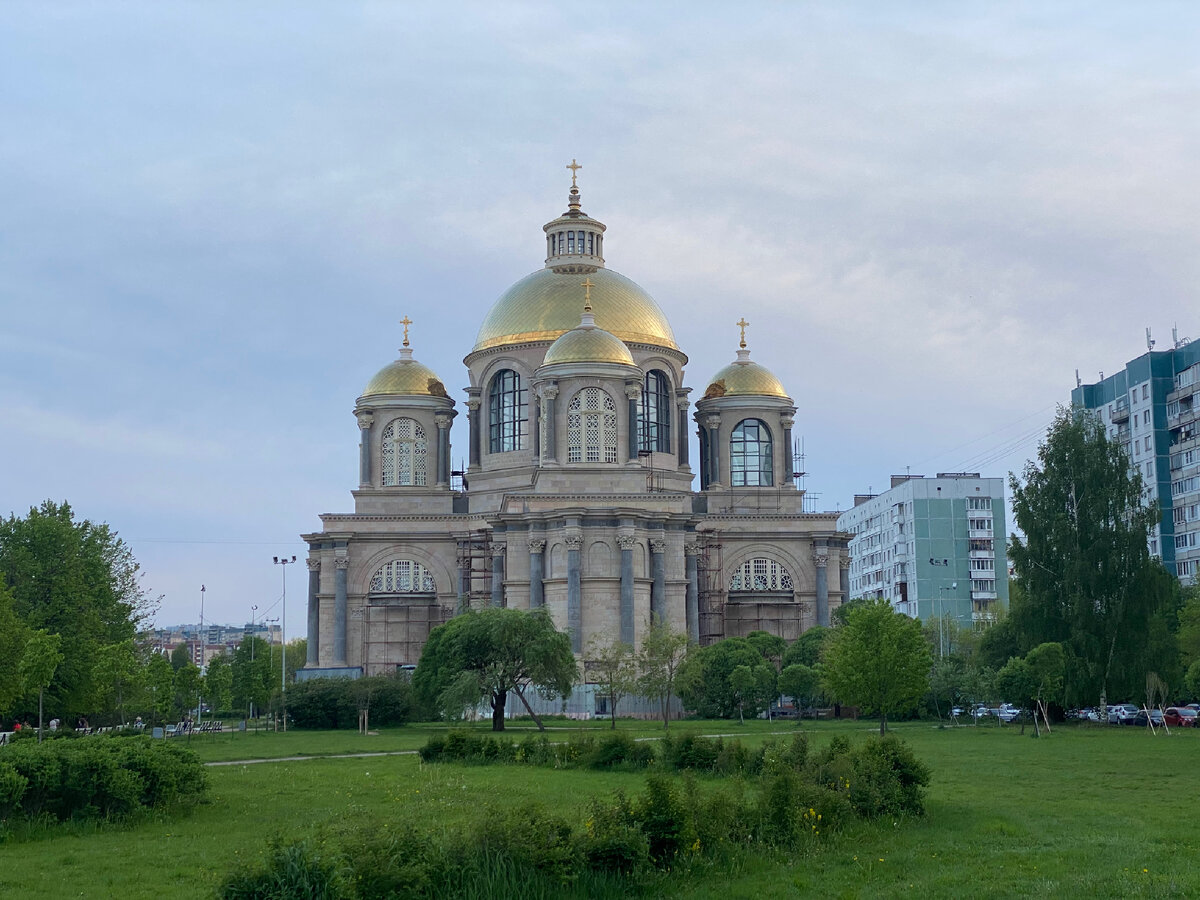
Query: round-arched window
x,y
508,412
402,576
654,413
404,452
750,462
760,574
592,427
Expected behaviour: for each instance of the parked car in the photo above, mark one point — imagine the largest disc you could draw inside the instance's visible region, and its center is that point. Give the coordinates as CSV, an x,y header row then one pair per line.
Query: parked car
x,y
1008,713
1143,718
1121,713
1182,716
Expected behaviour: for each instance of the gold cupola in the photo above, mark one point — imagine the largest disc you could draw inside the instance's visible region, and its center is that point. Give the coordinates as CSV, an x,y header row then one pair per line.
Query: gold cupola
x,y
588,343
405,376
745,378
543,306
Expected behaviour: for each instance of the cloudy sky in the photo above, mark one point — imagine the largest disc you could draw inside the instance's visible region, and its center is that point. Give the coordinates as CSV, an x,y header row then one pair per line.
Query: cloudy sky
x,y
213,215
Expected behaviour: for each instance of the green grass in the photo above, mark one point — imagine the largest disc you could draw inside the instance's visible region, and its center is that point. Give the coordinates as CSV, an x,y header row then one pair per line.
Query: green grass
x,y
1085,812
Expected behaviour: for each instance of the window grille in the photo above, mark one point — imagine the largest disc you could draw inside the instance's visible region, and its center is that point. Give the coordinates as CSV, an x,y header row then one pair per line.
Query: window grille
x,y
402,576
592,427
750,463
760,574
404,453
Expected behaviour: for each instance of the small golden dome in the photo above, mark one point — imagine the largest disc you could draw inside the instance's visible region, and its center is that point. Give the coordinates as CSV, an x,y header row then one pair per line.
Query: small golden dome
x,y
406,376
588,344
745,378
545,305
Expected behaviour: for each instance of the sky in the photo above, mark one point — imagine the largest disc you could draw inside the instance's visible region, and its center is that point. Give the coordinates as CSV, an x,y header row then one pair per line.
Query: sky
x,y
213,215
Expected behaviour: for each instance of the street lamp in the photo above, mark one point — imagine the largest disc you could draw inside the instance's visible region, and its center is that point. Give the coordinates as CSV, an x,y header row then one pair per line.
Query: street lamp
x,y
283,641
253,640
941,619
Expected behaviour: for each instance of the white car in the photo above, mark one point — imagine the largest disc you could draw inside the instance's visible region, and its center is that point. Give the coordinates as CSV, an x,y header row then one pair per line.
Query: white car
x,y
1121,713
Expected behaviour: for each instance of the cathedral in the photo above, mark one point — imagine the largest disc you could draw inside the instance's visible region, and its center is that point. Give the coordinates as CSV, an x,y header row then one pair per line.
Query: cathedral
x,y
579,495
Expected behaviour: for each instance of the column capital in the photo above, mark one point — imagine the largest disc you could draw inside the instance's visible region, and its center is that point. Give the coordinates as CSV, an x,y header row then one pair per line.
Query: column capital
x,y
821,558
365,419
497,547
692,548
342,562
473,403
537,546
683,403
712,421
313,563
626,541
549,391
658,545
573,541
443,418
844,561
786,421
633,390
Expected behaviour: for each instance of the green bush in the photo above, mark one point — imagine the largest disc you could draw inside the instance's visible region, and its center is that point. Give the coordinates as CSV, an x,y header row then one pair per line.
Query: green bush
x,y
887,780
334,702
532,838
665,820
291,871
401,862
618,750
613,842
12,788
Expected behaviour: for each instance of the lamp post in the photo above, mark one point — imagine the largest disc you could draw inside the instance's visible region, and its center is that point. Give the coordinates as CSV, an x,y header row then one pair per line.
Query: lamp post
x,y
200,695
253,641
283,561
953,586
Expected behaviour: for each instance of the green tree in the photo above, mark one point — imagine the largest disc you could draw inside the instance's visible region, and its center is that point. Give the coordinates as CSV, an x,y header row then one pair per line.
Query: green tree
x,y
613,666
160,688
187,688
1087,578
39,661
663,652
181,656
800,682
878,660
705,680
218,682
806,649
117,675
74,579
486,654
1192,681
1188,619
12,646
252,675
770,646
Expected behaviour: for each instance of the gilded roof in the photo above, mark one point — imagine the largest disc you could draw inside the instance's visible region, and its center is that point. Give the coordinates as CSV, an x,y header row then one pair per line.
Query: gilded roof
x,y
745,378
406,376
546,304
588,345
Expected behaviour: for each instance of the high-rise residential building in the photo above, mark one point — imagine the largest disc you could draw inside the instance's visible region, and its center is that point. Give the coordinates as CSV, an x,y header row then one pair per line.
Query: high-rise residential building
x,y
932,546
1153,407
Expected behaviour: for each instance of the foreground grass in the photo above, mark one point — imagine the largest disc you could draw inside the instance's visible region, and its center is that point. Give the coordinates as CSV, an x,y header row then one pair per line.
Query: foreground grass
x,y
1086,812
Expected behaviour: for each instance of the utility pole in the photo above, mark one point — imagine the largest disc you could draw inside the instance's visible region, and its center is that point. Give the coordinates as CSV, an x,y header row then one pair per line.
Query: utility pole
x,y
284,561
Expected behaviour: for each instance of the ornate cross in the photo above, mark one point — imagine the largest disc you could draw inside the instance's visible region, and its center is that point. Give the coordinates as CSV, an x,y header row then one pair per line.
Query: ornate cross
x,y
742,323
587,294
406,321
574,167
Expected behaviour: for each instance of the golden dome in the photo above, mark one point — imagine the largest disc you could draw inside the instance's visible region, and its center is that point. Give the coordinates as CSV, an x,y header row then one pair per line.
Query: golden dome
x,y
406,376
745,378
588,344
545,305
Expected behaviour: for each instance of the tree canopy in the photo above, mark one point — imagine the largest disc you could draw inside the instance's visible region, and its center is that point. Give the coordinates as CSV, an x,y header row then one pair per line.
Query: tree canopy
x,y
485,654
663,653
1087,578
879,660
708,686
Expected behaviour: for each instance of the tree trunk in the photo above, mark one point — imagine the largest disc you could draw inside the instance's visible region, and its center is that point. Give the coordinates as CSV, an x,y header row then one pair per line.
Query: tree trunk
x,y
612,713
882,724
529,709
41,692
498,700
741,719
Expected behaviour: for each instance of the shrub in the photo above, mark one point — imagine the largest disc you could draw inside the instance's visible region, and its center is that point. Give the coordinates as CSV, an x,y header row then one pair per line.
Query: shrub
x,y
887,780
793,811
291,871
529,836
334,702
12,788
693,752
404,862
664,819
619,749
613,842
722,818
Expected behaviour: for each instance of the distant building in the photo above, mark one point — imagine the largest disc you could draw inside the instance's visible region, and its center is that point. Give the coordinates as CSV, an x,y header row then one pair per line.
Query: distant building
x,y
1153,407
932,546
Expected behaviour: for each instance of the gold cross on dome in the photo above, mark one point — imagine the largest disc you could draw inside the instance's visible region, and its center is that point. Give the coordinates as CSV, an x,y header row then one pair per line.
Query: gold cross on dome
x,y
406,321
742,323
574,167
587,294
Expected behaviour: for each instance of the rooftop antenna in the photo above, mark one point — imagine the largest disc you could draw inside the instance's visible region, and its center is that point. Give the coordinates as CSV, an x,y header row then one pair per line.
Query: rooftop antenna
x,y
1078,380
798,453
1101,374
1149,340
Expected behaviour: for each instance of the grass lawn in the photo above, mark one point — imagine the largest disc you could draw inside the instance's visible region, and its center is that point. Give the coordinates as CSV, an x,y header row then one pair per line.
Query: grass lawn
x,y
1086,812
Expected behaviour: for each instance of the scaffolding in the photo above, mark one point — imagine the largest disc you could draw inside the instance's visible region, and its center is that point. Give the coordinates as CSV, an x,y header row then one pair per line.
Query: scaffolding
x,y
712,592
474,570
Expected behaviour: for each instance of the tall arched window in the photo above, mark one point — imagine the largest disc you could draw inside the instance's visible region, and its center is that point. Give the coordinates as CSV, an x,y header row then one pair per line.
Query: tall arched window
x,y
654,413
750,455
403,453
508,413
402,576
760,574
592,427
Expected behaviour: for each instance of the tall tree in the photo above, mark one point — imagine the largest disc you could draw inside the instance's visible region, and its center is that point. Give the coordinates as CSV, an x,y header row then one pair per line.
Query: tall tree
x,y
187,688
613,666
39,661
706,679
160,688
878,660
74,579
806,649
1087,578
486,654
12,645
116,675
218,682
252,674
663,652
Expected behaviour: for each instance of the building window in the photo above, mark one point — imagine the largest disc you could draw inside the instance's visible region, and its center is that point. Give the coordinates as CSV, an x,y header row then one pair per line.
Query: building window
x,y
654,413
1145,391
403,453
402,576
760,574
750,455
592,427
979,503
590,243
508,412
570,242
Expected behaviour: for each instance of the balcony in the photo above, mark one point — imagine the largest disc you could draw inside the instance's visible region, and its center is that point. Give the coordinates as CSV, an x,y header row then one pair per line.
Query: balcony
x,y
980,533
982,554
1121,410
983,595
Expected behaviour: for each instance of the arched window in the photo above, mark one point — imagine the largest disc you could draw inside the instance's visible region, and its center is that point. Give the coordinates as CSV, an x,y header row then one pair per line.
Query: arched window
x,y
402,576
592,427
508,413
654,413
750,455
760,574
403,453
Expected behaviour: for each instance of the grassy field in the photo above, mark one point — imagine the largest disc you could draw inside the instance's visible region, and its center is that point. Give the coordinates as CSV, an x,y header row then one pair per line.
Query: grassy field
x,y
1085,812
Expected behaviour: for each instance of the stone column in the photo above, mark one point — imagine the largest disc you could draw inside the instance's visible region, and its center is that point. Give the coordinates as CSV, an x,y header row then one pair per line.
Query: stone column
x,y
549,395
314,613
658,586
341,564
682,436
537,558
691,552
497,575
632,392
789,466
626,542
364,448
473,419
821,558
443,420
844,582
574,593
713,423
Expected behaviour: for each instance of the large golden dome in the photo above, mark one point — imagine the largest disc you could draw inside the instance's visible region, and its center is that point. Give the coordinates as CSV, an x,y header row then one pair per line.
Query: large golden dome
x,y
745,378
545,305
406,376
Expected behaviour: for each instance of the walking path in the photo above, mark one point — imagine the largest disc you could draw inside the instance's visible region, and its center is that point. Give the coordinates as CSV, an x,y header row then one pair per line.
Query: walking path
x,y
276,759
